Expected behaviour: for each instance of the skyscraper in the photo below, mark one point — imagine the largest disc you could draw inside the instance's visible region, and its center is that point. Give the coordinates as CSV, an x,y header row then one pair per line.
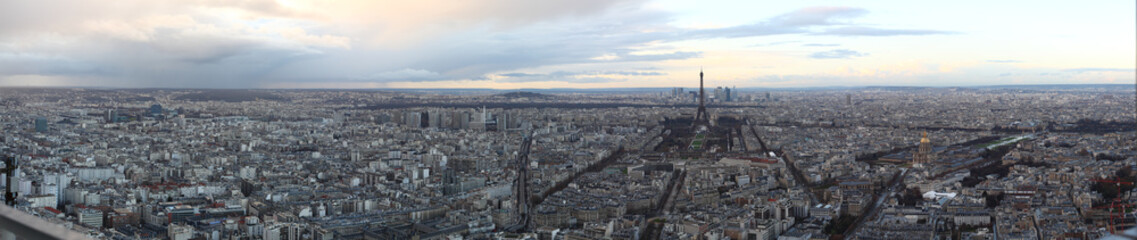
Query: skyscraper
x,y
41,124
728,93
503,121
719,97
112,116
412,119
434,119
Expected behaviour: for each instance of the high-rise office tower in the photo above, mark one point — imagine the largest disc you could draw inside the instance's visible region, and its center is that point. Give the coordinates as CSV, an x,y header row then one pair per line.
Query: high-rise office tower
x,y
719,97
729,97
41,124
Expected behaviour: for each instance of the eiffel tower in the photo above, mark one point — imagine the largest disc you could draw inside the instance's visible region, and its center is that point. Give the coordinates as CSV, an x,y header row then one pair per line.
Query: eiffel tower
x,y
701,117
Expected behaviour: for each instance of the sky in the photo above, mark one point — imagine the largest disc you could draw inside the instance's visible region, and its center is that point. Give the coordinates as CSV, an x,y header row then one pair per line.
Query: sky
x,y
510,44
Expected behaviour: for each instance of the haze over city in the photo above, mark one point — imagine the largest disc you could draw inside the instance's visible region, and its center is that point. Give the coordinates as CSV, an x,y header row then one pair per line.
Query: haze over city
x,y
506,44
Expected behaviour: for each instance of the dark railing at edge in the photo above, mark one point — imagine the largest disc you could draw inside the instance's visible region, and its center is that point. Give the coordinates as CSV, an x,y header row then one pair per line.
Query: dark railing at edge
x,y
15,224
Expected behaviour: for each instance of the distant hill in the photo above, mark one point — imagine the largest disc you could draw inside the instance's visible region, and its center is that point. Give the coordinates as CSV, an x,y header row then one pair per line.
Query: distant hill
x,y
1062,86
227,95
525,95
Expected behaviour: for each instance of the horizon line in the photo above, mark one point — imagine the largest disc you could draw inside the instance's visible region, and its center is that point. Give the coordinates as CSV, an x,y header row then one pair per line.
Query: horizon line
x,y
600,88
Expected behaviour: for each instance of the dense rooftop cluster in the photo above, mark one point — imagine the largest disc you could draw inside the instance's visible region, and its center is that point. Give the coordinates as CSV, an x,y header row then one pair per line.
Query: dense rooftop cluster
x,y
811,164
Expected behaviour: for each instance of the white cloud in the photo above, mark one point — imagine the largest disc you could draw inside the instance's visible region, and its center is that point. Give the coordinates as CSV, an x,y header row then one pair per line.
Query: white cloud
x,y
299,35
837,53
254,43
405,75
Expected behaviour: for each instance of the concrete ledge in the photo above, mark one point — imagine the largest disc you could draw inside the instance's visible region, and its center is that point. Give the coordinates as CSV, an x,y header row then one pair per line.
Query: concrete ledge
x,y
25,226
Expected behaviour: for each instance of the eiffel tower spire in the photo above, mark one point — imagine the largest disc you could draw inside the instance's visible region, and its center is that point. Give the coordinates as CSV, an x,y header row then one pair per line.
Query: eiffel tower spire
x,y
701,116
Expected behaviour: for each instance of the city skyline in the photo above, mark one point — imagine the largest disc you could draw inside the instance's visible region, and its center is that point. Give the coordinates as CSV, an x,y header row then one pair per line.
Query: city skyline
x,y
578,45
566,120
839,163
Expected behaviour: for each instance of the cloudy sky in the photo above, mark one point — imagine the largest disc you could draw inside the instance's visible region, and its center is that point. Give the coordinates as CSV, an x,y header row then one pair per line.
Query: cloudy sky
x,y
562,43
